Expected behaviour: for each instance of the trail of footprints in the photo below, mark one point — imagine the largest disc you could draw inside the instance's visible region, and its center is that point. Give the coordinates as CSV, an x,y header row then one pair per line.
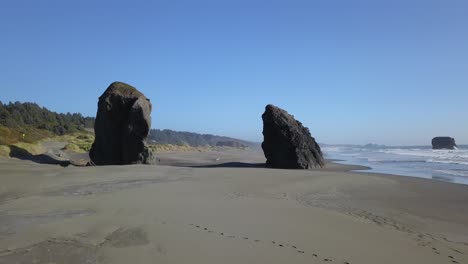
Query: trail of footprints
x,y
423,239
451,258
275,243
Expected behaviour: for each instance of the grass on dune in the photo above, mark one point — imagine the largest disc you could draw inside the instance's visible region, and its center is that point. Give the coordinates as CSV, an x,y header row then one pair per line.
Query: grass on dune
x,y
9,136
77,142
170,147
28,142
31,148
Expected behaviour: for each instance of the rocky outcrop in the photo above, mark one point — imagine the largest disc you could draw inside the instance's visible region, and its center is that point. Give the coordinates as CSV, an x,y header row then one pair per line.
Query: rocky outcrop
x,y
443,143
287,143
122,124
231,144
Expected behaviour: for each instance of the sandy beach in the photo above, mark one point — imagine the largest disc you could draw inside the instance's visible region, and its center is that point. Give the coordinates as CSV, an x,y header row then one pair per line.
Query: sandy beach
x,y
224,207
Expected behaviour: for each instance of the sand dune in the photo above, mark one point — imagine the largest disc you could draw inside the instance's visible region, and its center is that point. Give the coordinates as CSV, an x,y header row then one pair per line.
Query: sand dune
x,y
223,207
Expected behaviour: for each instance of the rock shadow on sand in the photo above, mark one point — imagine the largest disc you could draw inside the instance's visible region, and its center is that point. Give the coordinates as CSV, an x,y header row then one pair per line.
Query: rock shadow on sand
x,y
22,154
230,165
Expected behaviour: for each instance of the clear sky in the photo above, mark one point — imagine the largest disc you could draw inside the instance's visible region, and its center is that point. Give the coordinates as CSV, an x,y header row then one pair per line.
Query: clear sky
x,y
388,72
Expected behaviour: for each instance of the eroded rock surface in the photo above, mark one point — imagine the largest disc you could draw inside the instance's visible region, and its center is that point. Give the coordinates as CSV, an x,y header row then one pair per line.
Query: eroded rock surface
x,y
122,125
287,143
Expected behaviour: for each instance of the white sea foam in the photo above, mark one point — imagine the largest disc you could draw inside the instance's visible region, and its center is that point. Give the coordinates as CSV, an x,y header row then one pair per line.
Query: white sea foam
x,y
430,155
450,165
461,173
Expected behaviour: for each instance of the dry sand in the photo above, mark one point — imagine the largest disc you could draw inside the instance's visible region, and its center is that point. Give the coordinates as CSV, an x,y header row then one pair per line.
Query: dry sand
x,y
223,207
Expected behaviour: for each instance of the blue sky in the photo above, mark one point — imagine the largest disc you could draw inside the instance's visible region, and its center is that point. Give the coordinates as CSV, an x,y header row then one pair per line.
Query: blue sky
x,y
387,72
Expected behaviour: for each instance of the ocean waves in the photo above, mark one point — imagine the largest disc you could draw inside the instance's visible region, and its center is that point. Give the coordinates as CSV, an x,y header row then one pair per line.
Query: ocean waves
x,y
447,165
459,156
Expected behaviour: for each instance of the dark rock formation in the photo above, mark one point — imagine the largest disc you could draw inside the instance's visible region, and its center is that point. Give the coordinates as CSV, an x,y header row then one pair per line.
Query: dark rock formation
x,y
122,124
287,143
443,143
230,143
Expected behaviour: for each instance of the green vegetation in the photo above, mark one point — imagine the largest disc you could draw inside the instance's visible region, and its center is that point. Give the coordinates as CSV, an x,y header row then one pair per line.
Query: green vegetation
x,y
171,147
78,142
28,122
28,148
24,125
4,151
125,89
167,136
13,135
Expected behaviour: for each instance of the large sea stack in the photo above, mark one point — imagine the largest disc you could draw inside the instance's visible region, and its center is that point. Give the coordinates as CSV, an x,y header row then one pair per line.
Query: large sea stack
x,y
443,143
122,124
287,143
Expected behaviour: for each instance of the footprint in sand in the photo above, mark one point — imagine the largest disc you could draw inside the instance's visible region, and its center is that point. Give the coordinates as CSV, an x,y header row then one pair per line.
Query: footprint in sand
x,y
452,259
435,251
280,245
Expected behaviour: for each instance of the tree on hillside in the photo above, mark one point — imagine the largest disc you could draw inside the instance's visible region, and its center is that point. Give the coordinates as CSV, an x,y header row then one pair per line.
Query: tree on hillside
x,y
21,115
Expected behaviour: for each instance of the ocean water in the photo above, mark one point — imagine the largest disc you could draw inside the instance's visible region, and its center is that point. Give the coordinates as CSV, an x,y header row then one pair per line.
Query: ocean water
x,y
423,162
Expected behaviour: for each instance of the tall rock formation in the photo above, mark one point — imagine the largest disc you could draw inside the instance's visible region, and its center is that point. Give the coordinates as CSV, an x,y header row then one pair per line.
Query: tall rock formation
x,y
122,125
287,143
443,143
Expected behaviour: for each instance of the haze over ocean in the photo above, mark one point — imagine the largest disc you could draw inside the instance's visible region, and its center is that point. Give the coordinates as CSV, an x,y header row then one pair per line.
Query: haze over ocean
x,y
387,72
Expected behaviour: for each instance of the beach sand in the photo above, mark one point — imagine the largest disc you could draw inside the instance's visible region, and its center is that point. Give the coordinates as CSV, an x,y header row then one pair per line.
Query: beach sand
x,y
224,207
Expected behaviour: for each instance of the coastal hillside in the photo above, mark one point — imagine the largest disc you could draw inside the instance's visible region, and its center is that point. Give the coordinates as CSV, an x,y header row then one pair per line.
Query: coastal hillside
x,y
30,122
167,136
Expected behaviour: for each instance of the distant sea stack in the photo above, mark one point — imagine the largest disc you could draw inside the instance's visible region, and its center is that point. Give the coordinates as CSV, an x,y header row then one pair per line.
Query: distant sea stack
x,y
287,143
443,143
122,125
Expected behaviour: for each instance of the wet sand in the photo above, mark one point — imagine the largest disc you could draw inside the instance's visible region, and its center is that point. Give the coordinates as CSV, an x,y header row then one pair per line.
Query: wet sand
x,y
224,207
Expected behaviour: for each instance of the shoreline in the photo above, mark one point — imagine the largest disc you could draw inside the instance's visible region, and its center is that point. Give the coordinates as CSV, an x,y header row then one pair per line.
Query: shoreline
x,y
370,170
440,165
